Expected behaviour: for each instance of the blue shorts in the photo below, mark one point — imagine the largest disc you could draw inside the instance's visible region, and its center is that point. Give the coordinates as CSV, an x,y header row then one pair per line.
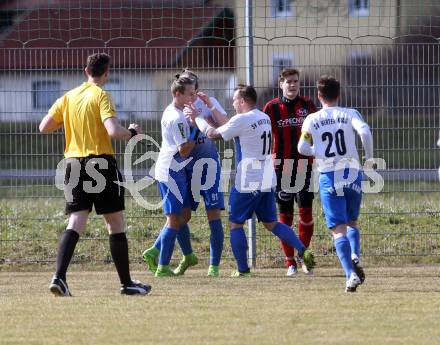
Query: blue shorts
x,y
243,205
340,209
212,197
172,202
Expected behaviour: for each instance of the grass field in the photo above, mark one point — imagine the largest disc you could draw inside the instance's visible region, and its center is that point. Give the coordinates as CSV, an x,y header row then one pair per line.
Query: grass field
x,y
394,306
399,224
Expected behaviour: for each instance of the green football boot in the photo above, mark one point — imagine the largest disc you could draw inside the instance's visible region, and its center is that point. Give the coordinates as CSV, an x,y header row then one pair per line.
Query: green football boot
x,y
164,271
307,260
213,271
187,261
150,257
238,274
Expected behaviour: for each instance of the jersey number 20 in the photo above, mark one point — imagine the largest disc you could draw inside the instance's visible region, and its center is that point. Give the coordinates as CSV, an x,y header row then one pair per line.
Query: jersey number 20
x,y
340,143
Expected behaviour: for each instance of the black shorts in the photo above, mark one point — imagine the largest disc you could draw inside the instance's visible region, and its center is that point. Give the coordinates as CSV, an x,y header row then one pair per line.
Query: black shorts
x,y
92,181
286,199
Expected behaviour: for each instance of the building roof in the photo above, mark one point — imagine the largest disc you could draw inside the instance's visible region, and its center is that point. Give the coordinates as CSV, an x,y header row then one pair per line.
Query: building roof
x,y
151,28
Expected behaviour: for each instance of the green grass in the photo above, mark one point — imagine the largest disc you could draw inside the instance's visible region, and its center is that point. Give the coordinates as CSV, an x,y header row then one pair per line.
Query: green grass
x,y
394,306
397,227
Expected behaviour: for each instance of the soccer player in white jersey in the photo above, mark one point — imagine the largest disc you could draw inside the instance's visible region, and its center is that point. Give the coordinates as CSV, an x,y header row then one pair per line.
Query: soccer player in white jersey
x,y
255,179
177,143
329,136
207,107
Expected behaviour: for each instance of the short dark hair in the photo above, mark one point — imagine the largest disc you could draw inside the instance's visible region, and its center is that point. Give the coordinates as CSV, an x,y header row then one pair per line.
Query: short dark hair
x,y
287,72
180,83
98,64
247,92
328,87
190,74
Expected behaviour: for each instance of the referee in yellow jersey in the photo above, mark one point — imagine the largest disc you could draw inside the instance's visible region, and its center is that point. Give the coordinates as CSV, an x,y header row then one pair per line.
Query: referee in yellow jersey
x,y
89,119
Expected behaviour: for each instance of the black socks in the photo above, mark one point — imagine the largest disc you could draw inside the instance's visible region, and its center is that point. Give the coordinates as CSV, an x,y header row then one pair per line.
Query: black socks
x,y
119,250
67,244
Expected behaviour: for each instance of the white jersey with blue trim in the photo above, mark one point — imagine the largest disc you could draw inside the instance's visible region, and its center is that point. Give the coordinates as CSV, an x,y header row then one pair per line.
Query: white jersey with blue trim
x,y
205,148
252,133
332,131
175,132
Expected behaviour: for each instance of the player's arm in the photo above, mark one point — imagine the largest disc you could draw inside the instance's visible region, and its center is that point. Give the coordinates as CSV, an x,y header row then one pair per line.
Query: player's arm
x,y
186,148
207,129
218,114
305,144
268,110
48,124
211,121
116,131
54,118
363,130
184,144
228,131
111,123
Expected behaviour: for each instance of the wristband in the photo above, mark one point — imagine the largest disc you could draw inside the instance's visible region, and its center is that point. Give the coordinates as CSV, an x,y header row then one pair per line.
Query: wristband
x,y
212,108
195,132
133,132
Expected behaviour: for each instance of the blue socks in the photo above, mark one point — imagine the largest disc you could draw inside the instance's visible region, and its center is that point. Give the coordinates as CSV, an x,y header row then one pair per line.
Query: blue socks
x,y
158,239
239,248
343,250
184,239
216,241
288,236
355,240
168,239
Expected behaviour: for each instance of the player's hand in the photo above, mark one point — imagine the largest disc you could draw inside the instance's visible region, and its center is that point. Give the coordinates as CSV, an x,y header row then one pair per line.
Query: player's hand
x,y
136,127
190,112
370,164
205,98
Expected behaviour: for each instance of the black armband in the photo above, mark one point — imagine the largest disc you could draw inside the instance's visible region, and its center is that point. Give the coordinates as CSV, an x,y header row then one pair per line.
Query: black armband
x,y
133,132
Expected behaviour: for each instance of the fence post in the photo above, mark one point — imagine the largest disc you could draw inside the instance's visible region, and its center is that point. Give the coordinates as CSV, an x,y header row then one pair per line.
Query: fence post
x,y
252,228
249,44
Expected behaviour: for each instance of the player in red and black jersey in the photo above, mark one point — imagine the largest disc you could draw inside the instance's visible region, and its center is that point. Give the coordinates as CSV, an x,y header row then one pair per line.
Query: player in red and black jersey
x,y
293,170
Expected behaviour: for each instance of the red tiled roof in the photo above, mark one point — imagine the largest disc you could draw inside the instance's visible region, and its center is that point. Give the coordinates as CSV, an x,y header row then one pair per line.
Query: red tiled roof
x,y
14,4
123,58
66,26
107,23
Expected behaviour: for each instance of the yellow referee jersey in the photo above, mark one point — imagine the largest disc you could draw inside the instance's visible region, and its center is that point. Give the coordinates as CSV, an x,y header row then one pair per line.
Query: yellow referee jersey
x,y
83,111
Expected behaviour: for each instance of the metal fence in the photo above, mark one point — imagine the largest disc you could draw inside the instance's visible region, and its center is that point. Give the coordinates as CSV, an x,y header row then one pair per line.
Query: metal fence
x,y
386,55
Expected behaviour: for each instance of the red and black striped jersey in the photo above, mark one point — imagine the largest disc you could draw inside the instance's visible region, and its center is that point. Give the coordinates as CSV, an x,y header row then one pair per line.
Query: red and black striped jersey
x,y
287,117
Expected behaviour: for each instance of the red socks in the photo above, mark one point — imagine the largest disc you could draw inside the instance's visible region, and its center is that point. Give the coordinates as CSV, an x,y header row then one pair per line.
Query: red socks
x,y
305,225
289,252
305,230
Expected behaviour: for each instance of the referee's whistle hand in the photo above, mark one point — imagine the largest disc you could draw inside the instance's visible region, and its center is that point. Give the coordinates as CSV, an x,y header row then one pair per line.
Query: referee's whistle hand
x,y
136,127
370,164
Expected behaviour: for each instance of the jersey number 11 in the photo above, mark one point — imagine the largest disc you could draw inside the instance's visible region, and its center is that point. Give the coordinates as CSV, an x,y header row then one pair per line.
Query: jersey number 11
x,y
267,142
